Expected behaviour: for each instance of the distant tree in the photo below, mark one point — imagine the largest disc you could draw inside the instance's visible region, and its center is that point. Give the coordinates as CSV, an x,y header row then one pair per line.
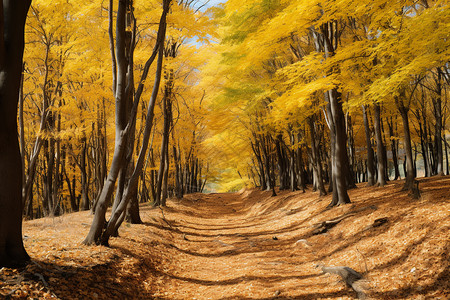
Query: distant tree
x,y
13,15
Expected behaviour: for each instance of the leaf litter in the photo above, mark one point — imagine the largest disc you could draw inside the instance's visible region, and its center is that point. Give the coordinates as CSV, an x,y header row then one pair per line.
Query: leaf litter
x,y
247,245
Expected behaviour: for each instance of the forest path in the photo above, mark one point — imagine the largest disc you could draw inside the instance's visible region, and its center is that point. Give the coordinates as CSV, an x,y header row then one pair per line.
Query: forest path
x,y
250,245
247,245
234,246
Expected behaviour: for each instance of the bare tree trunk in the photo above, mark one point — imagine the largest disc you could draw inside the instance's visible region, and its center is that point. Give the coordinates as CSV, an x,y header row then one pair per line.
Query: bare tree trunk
x,y
317,166
410,177
13,15
164,148
97,234
326,41
370,154
292,165
122,134
394,149
437,104
84,182
340,160
178,189
380,147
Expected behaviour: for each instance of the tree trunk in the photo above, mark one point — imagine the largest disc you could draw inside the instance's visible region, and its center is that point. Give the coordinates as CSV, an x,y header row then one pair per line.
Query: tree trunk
x,y
84,182
132,213
95,235
317,166
394,149
13,14
370,154
164,148
340,172
437,104
292,165
410,178
380,147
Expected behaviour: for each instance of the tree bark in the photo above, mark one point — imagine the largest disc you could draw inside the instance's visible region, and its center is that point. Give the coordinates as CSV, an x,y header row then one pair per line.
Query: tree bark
x,y
437,104
317,166
96,234
381,180
13,14
164,148
410,177
370,154
340,172
394,149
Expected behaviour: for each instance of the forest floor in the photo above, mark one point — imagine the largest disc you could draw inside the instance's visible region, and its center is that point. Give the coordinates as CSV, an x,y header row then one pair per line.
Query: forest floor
x,y
248,245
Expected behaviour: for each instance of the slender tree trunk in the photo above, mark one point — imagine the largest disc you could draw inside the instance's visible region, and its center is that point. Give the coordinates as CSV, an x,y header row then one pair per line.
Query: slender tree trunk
x,y
178,189
164,148
380,147
292,165
437,104
370,154
446,155
300,168
410,178
85,202
393,149
317,167
96,234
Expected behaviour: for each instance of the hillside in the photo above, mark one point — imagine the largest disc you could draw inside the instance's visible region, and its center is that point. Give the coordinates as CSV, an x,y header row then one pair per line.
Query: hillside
x,y
247,245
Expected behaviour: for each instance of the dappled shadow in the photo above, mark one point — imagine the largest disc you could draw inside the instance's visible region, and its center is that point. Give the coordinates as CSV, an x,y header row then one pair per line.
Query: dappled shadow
x,y
253,246
99,281
236,280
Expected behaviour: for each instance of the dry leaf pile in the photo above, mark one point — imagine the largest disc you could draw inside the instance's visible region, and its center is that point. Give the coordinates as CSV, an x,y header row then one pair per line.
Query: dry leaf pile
x,y
248,245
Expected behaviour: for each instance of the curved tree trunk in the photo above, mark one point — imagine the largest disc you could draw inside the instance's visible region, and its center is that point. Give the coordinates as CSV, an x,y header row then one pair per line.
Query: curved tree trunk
x,y
98,234
13,15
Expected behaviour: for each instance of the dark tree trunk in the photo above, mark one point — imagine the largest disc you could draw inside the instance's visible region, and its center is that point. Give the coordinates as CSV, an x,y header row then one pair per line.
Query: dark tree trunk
x,y
410,178
178,187
327,41
262,172
281,162
98,234
292,165
13,14
270,180
85,202
340,165
159,200
437,104
394,149
446,155
380,147
300,167
351,177
317,166
370,154
132,213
